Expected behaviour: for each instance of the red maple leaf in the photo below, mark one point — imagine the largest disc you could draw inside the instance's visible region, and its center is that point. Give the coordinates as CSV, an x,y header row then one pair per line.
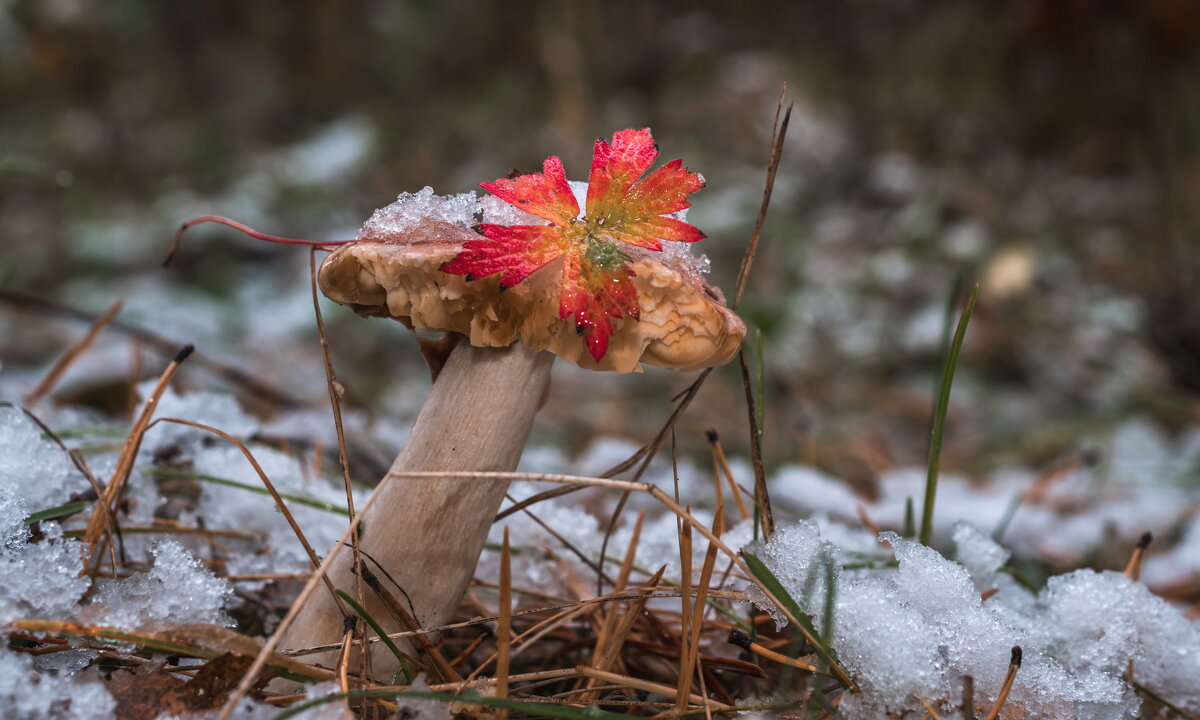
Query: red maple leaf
x,y
595,282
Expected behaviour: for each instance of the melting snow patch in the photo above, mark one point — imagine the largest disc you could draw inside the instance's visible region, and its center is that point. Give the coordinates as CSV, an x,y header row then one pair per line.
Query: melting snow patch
x,y
914,633
28,695
178,589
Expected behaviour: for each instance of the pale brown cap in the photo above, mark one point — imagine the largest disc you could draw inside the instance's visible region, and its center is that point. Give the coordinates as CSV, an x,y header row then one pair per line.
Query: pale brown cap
x,y
684,324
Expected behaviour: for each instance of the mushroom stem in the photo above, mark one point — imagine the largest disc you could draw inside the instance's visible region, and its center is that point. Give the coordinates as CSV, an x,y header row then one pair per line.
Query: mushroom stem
x,y
428,534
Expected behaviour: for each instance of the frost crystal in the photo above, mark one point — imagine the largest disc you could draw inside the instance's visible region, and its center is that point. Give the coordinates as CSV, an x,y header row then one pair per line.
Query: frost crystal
x,y
27,695
178,589
41,579
32,466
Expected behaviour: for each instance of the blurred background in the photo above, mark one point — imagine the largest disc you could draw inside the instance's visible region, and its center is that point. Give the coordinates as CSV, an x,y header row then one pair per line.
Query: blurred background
x,y
1049,150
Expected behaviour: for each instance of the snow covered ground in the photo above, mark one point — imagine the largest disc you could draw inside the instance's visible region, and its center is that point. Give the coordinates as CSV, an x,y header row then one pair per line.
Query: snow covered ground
x,y
906,633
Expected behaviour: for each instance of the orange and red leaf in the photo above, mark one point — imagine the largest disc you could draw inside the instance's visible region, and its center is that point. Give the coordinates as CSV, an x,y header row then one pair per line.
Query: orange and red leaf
x,y
547,195
515,250
596,295
616,166
596,280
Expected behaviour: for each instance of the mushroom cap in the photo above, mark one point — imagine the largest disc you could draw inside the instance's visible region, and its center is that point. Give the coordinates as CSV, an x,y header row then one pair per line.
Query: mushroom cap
x,y
684,324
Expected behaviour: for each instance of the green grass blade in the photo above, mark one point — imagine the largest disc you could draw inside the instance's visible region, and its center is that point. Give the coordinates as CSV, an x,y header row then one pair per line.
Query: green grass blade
x,y
362,613
769,581
1006,519
939,417
56,512
166,474
817,699
759,385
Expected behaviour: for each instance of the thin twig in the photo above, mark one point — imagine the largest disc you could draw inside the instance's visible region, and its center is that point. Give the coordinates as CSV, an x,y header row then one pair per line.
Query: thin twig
x,y
108,502
722,462
504,627
653,687
165,347
650,451
761,497
72,354
335,405
778,133
272,642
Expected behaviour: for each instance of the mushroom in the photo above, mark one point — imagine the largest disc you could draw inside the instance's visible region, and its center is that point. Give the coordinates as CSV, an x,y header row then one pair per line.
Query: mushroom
x,y
509,294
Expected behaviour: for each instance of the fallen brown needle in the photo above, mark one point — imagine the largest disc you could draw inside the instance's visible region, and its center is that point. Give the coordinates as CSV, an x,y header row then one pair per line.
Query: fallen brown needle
x,y
742,640
1013,665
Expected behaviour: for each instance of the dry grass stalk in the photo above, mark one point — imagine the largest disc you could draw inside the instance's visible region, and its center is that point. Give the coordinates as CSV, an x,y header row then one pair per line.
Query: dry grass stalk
x,y
742,640
778,134
260,660
343,664
468,650
929,708
199,641
968,698
648,686
111,526
167,527
111,497
335,404
556,478
684,530
690,661
1013,665
607,653
165,347
611,635
762,497
55,373
1133,571
504,631
721,466
279,503
662,497
630,555
868,523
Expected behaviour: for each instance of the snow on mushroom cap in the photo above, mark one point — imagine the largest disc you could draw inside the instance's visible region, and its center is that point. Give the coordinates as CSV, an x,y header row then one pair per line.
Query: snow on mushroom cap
x,y
393,271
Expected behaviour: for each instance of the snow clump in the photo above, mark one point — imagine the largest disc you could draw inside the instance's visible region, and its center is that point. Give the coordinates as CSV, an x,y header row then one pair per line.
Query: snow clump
x,y
913,633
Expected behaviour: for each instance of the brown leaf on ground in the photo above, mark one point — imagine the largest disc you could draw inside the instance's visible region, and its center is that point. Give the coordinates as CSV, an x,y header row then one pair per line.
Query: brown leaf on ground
x,y
212,684
151,690
147,692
